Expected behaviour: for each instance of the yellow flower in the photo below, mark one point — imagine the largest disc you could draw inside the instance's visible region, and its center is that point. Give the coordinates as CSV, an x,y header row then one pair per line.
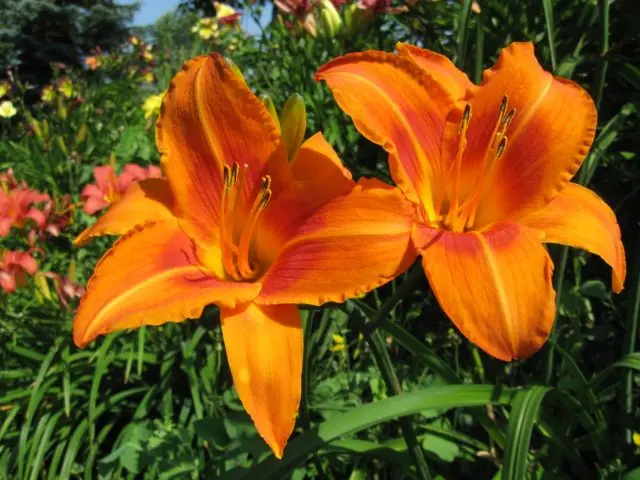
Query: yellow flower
x,y
339,343
152,105
133,40
65,87
147,77
7,110
207,28
47,94
226,15
147,55
223,10
636,438
5,87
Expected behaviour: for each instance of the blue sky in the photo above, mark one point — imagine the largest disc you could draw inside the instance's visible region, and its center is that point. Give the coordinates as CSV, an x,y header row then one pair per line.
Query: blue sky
x,y
151,10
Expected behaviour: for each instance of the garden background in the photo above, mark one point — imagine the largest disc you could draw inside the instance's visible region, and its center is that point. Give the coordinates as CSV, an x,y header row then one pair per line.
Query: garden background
x,y
81,89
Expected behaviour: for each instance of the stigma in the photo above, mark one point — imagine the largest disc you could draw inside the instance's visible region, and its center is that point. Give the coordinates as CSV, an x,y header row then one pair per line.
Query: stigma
x,y
236,243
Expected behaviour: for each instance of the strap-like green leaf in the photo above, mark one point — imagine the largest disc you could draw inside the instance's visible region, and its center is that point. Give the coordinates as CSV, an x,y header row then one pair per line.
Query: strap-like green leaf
x,y
523,416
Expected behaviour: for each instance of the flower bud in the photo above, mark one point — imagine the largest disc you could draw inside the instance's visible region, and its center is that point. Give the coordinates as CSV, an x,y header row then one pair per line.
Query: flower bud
x,y
293,123
329,21
266,99
357,20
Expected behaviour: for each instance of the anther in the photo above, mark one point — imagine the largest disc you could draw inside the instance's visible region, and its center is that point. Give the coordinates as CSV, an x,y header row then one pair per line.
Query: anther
x,y
266,183
501,146
226,176
234,173
266,197
509,118
466,118
503,106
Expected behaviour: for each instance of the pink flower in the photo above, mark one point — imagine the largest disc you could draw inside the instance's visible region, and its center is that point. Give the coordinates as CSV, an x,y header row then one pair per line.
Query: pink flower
x,y
66,289
302,10
14,267
58,215
104,192
297,7
17,206
132,173
381,6
109,188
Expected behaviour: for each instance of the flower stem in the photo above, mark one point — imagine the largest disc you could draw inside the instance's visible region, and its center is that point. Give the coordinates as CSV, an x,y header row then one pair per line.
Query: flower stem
x,y
383,360
603,63
381,355
631,330
560,273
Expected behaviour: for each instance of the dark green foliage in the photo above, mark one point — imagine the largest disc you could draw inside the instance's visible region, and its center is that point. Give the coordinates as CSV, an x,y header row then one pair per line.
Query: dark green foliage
x,y
36,33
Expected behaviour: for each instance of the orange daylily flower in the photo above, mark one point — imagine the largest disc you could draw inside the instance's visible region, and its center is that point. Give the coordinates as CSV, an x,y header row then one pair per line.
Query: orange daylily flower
x,y
488,167
236,225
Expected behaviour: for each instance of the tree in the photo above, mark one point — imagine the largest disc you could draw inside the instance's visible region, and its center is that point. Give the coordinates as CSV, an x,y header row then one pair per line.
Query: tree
x,y
35,33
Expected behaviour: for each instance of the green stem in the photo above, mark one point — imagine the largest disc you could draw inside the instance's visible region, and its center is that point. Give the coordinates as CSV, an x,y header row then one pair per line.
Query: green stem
x,y
548,15
603,63
631,330
477,77
559,283
407,287
383,360
304,403
463,34
381,355
582,175
305,414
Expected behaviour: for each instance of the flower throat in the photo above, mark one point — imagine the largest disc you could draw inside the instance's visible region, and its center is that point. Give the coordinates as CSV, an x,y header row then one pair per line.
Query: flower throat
x,y
460,215
236,250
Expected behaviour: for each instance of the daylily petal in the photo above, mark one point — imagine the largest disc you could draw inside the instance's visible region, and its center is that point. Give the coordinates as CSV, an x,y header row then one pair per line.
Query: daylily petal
x,y
346,248
7,282
578,217
551,132
93,198
210,118
440,68
395,104
318,163
146,201
264,348
106,179
151,277
319,176
494,285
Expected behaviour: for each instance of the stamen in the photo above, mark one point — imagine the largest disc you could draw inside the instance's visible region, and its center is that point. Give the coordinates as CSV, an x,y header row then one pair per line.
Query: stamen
x,y
508,118
226,176
503,105
259,204
470,206
226,210
234,173
266,184
466,118
462,144
265,199
501,147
